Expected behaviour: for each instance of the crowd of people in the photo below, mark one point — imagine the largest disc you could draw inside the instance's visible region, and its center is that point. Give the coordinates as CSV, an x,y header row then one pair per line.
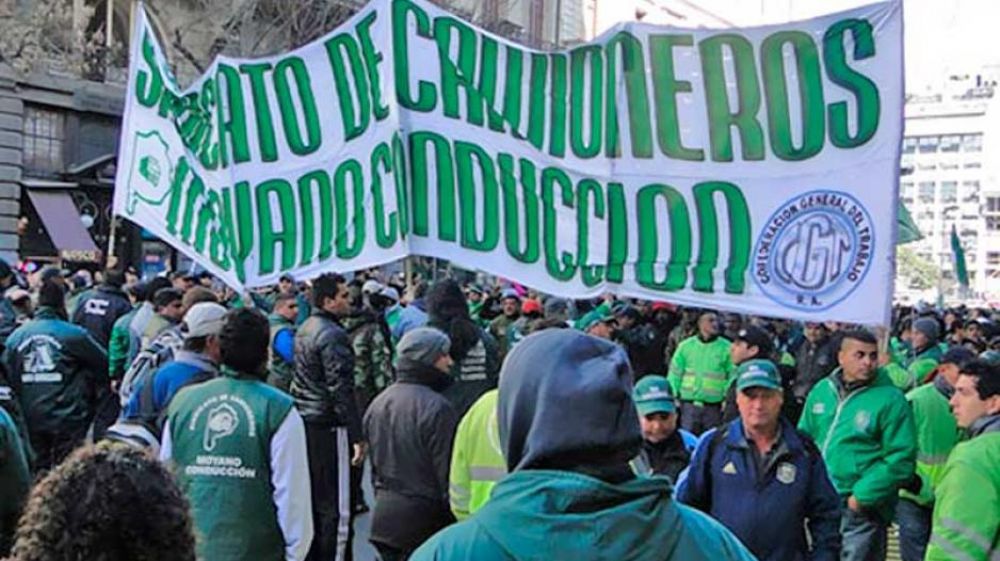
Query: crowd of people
x,y
172,418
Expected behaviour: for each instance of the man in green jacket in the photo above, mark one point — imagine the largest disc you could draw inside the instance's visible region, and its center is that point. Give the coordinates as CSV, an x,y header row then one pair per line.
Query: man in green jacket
x,y
60,375
700,373
967,500
568,429
238,449
865,431
15,479
925,338
281,364
937,434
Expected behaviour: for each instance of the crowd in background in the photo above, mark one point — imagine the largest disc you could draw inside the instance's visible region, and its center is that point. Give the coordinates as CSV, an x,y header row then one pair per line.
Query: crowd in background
x,y
499,423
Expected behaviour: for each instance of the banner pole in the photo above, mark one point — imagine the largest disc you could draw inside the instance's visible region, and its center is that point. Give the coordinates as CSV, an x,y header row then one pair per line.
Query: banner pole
x,y
111,260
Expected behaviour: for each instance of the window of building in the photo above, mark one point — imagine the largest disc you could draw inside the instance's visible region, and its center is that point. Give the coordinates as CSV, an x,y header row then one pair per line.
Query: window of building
x,y
929,144
993,257
909,145
949,165
925,192
949,192
44,134
906,188
993,204
950,143
973,165
972,142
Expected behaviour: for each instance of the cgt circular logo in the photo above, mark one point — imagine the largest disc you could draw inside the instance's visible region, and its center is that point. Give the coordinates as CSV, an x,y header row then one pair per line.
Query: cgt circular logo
x,y
814,250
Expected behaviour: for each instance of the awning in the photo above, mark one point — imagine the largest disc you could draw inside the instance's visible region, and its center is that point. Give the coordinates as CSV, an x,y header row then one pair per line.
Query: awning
x,y
63,224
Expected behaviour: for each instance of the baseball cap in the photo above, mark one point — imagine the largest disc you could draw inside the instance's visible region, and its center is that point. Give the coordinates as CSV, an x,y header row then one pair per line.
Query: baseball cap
x,y
756,337
372,287
652,395
531,306
510,293
203,319
959,356
758,373
597,316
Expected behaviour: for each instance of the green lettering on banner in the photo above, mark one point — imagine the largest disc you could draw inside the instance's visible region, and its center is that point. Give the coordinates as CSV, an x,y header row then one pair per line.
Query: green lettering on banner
x,y
243,239
467,190
354,117
529,201
488,81
634,71
617,233
269,234
560,265
313,186
399,178
557,105
177,194
221,237
649,238
426,95
665,89
208,150
289,106
419,176
721,119
580,115
234,124
148,86
194,192
512,90
740,235
262,110
460,73
349,250
373,58
810,95
588,190
538,87
865,91
385,226
207,214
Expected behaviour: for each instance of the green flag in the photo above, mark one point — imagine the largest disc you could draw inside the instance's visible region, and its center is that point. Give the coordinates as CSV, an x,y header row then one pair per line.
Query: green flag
x,y
908,231
958,254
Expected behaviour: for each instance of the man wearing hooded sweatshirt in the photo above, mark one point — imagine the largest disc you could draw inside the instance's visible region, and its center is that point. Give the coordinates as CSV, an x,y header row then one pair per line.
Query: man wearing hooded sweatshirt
x,y
474,350
409,428
60,374
568,429
937,434
238,449
700,373
924,358
967,499
864,428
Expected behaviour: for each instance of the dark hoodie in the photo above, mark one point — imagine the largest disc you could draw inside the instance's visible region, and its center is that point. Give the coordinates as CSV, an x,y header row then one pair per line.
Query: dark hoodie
x,y
567,428
410,427
474,350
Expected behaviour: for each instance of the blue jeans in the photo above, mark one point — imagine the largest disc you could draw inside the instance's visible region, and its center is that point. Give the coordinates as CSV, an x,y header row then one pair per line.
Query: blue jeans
x,y
914,529
864,536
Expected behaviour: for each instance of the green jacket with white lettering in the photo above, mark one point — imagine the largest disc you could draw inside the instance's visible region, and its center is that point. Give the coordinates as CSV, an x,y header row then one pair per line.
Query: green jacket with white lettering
x,y
701,371
966,522
58,371
867,438
220,438
937,434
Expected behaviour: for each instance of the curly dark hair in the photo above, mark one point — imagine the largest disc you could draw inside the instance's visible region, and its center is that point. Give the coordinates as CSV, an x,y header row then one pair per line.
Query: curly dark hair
x,y
106,502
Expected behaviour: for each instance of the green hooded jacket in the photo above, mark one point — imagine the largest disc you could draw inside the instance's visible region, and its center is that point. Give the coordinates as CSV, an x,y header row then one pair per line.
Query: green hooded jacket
x,y
542,515
937,434
966,521
867,438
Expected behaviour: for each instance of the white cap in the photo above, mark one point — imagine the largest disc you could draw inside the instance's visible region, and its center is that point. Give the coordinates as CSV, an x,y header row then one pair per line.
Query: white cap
x,y
391,293
372,287
203,319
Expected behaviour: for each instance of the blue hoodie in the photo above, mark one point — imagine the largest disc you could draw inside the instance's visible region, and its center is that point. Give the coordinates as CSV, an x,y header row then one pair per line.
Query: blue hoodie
x,y
565,411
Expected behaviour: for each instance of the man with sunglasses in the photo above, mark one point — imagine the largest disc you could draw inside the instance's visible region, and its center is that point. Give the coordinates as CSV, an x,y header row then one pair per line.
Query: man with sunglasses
x,y
281,364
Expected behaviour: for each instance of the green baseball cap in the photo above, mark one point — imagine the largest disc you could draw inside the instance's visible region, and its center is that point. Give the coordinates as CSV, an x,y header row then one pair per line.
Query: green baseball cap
x,y
594,317
652,395
758,373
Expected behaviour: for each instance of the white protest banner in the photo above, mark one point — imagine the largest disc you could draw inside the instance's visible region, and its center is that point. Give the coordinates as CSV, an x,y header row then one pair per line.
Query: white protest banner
x,y
752,170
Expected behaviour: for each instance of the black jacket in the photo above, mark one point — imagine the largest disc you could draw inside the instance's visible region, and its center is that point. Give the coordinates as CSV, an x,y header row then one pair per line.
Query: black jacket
x,y
813,362
323,382
410,428
98,309
669,457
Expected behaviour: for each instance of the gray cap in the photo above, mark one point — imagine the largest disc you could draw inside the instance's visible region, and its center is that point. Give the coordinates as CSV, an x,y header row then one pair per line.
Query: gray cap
x,y
204,319
421,346
928,327
556,308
